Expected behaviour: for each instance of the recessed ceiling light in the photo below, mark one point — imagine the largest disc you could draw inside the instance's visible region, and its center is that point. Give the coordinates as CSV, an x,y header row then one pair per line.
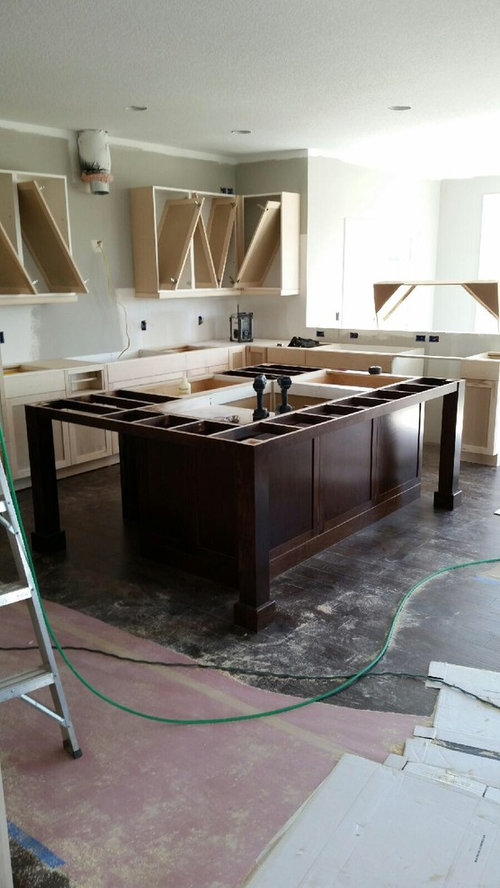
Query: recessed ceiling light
x,y
399,107
136,108
241,132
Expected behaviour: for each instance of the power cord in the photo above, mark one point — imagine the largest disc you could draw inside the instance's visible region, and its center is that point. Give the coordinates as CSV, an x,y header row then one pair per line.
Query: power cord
x,y
237,670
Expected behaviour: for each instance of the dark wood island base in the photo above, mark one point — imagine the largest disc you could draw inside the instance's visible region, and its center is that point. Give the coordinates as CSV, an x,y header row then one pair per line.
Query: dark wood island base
x,y
241,504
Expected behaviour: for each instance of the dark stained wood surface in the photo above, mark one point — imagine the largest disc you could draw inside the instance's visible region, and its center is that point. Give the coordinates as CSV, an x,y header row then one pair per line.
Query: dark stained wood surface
x,y
239,504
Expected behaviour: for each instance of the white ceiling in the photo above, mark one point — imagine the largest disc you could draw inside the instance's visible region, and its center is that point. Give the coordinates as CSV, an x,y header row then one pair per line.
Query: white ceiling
x,y
300,74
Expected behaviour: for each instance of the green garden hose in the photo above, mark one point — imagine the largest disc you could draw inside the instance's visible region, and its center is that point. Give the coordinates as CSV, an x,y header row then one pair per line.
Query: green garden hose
x,y
234,718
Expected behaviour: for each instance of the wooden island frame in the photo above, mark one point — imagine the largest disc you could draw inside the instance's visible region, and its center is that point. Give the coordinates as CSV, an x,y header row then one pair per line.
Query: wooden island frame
x,y
240,504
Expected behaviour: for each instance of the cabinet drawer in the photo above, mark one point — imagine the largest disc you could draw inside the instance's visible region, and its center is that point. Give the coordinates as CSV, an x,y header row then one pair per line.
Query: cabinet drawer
x,y
45,383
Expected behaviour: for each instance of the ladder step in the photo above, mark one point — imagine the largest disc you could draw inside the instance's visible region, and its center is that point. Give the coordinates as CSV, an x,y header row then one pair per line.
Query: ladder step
x,y
24,682
12,592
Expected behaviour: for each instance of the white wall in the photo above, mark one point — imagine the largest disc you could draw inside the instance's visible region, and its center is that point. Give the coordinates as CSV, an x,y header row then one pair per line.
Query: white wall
x,y
396,208
458,250
278,317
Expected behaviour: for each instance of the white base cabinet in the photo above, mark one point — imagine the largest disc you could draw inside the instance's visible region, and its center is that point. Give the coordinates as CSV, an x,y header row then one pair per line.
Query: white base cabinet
x,y
481,429
75,446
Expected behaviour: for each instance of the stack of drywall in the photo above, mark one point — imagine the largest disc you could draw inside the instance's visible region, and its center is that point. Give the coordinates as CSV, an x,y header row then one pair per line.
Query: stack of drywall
x,y
430,816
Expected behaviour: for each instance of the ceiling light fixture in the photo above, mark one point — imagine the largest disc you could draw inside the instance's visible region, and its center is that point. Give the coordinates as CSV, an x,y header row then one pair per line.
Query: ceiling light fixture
x,y
241,132
136,108
399,107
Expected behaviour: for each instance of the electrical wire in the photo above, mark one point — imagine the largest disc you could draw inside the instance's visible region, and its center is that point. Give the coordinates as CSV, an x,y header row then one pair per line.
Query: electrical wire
x,y
237,670
318,698
112,294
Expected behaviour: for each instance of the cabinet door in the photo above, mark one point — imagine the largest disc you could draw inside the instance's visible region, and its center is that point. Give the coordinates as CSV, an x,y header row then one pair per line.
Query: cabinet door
x,y
46,242
219,231
480,416
13,277
18,440
177,226
262,248
256,354
237,358
87,444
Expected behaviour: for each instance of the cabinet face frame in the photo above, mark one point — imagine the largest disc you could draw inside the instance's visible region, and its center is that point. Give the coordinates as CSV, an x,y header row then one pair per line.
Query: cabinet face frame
x,y
46,227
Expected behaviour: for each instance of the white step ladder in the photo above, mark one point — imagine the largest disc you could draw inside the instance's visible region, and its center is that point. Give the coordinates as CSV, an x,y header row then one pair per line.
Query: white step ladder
x,y
47,673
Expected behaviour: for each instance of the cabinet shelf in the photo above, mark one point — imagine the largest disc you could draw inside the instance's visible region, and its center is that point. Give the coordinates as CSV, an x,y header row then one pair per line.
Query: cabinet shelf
x,y
33,210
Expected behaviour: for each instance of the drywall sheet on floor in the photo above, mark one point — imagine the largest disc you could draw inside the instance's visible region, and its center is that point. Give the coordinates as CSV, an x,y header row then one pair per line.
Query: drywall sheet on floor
x,y
481,767
461,719
354,831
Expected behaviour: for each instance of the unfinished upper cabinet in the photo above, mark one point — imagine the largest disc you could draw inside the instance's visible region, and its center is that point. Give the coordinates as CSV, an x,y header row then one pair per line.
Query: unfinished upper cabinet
x,y
268,244
36,264
201,244
181,242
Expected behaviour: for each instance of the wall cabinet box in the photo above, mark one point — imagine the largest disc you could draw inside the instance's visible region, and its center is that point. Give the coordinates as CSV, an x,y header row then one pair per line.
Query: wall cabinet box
x,y
268,244
36,264
187,243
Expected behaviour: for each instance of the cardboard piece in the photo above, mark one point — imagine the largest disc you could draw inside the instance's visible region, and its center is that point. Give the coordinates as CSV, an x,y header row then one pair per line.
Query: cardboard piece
x,y
370,824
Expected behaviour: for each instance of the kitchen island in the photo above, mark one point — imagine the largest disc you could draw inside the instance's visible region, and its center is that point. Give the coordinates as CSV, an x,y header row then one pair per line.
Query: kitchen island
x,y
240,503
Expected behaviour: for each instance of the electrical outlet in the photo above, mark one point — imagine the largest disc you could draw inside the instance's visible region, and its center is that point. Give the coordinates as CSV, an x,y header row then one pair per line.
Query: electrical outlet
x,y
420,337
320,333
2,338
200,319
353,335
96,245
433,338
144,325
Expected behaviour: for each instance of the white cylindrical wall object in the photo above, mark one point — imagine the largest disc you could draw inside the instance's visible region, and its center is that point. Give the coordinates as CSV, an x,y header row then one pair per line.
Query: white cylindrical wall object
x,y
95,160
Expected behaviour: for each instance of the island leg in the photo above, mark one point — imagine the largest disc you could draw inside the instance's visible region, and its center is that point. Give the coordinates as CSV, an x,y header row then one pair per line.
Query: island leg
x,y
47,536
254,609
448,495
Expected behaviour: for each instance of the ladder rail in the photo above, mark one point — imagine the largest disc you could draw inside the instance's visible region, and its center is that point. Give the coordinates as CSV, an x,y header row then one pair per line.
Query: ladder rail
x,y
47,673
